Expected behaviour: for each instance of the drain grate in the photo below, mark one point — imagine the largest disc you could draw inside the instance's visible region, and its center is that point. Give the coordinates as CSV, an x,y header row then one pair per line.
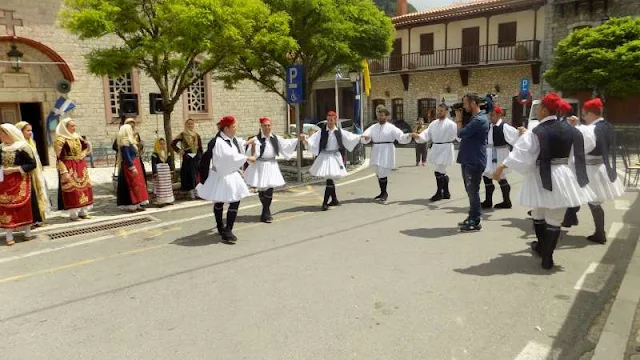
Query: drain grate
x,y
99,227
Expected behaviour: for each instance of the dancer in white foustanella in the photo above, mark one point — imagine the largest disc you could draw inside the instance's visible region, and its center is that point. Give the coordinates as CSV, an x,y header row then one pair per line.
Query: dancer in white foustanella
x,y
383,152
501,136
441,133
265,174
329,145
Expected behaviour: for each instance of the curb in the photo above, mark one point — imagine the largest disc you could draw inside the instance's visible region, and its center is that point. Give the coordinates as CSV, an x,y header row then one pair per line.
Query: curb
x,y
614,339
186,205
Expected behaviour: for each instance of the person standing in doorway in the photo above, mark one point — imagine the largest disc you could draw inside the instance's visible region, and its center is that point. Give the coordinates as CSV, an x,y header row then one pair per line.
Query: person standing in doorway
x,y
472,155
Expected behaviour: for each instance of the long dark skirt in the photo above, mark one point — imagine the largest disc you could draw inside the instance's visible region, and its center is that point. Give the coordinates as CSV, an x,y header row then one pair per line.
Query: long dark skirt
x,y
189,172
35,209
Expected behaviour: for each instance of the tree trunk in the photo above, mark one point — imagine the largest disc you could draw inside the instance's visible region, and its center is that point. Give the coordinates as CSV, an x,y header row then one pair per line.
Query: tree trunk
x,y
166,120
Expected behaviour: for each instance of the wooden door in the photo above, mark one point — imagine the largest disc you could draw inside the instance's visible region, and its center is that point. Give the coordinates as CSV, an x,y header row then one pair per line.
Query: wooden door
x,y
9,113
325,102
395,60
471,45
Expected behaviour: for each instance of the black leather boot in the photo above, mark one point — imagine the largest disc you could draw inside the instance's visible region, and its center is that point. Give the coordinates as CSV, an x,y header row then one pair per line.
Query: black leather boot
x,y
570,217
217,214
438,195
445,187
540,227
598,218
489,188
551,236
506,190
232,213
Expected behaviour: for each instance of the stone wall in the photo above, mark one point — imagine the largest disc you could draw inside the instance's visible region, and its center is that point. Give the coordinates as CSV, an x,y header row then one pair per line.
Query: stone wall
x,y
247,103
432,84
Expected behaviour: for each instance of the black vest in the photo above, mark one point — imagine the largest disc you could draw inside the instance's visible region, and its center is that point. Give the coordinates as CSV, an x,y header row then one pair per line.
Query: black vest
x,y
556,139
263,141
498,135
324,139
605,145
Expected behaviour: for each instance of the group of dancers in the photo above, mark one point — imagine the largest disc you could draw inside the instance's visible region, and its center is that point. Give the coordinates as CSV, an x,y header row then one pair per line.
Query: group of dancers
x,y
566,164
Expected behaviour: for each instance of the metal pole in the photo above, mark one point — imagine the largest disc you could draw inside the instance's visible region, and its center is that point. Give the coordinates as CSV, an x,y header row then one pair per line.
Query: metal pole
x,y
363,101
337,105
299,131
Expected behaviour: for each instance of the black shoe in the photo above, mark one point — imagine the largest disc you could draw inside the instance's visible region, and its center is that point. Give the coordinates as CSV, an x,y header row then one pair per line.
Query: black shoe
x,y
436,197
547,262
384,197
325,207
598,238
465,222
487,204
379,197
503,205
229,237
334,203
535,247
470,227
266,219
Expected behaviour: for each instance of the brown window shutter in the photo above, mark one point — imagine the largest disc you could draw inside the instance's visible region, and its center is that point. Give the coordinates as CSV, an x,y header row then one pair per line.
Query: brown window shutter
x,y
507,34
426,44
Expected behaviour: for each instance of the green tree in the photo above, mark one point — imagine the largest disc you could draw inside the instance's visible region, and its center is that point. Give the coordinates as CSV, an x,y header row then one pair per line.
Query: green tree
x,y
328,34
390,7
174,42
605,58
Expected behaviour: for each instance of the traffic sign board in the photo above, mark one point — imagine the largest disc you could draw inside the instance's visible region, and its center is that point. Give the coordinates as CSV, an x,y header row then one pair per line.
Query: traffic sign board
x,y
295,84
524,85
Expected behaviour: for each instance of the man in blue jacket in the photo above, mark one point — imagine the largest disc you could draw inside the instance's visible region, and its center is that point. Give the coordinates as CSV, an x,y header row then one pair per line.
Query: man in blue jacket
x,y
472,156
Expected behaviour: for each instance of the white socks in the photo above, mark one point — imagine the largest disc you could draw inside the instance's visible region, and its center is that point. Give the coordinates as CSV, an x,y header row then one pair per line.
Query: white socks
x,y
9,235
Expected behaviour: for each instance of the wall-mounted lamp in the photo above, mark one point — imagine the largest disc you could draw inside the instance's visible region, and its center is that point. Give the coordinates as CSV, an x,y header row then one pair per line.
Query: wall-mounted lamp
x,y
448,89
15,56
387,93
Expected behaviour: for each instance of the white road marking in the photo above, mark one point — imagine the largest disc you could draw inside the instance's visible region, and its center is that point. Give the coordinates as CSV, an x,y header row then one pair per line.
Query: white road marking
x,y
622,204
534,351
355,180
590,270
618,231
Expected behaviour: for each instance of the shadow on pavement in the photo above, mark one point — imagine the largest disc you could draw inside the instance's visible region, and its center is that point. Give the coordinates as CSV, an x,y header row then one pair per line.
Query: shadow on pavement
x,y
519,262
431,233
203,238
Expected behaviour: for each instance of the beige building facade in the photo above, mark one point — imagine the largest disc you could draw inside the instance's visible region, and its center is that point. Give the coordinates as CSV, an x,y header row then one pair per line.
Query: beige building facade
x,y
52,55
440,54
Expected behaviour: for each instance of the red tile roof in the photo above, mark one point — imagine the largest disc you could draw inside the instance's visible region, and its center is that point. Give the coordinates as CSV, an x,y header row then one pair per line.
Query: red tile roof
x,y
466,9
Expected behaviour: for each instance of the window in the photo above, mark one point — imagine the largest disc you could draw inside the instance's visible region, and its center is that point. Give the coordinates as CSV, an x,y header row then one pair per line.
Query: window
x,y
427,109
397,110
113,86
375,103
507,34
426,44
197,97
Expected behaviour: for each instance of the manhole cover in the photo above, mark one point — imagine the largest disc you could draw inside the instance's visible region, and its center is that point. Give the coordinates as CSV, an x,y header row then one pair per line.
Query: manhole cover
x,y
99,227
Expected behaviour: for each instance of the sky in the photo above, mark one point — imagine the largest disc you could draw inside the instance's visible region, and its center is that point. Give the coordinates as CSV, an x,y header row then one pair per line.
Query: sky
x,y
425,4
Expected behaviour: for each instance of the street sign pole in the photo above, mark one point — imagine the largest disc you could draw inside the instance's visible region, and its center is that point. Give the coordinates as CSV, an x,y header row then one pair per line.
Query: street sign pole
x,y
299,131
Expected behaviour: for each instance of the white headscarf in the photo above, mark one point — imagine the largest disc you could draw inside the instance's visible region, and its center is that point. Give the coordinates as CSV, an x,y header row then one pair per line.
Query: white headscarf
x,y
63,132
19,143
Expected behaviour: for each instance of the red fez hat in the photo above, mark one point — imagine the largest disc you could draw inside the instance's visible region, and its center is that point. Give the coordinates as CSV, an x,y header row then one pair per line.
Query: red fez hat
x,y
227,121
332,113
264,120
551,101
594,105
498,110
565,107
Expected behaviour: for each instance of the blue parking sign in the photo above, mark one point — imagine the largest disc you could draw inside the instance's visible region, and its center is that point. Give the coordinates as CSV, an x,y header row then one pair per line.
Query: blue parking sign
x,y
524,85
295,84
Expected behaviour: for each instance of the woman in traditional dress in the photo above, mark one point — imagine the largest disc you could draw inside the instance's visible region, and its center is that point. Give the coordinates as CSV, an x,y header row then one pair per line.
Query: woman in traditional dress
x,y
223,183
37,177
160,161
18,201
74,191
191,151
132,192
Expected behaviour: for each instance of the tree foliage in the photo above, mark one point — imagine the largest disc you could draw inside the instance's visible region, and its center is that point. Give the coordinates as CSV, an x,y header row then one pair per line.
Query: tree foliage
x,y
605,58
328,34
174,42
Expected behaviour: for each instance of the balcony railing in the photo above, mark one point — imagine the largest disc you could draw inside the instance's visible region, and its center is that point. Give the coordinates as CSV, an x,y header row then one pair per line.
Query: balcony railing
x,y
521,51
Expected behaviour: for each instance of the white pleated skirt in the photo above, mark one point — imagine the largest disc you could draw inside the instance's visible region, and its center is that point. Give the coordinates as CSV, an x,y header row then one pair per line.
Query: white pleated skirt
x,y
328,166
264,175
441,154
225,189
566,190
502,153
600,184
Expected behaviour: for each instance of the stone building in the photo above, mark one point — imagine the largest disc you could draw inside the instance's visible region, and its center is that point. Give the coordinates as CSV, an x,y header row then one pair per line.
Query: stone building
x,y
50,54
485,46
564,16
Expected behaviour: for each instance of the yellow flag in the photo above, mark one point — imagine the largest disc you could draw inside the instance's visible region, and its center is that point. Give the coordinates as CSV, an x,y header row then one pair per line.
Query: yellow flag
x,y
367,78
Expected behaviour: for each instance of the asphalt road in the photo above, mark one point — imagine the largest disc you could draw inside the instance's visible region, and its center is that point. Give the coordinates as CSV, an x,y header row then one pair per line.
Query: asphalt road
x,y
361,281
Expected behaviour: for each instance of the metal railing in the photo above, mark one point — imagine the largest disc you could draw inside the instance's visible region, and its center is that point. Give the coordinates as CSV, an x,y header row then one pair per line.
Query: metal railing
x,y
520,51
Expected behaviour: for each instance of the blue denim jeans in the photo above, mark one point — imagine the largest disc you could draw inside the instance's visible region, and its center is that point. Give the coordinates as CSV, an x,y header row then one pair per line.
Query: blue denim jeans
x,y
472,176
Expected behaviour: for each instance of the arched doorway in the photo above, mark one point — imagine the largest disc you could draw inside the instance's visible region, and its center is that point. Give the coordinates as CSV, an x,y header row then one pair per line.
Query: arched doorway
x,y
29,93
